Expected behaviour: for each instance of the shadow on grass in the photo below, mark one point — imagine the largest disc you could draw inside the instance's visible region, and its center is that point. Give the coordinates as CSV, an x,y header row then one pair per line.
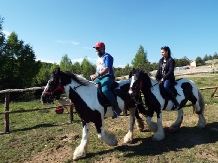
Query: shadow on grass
x,y
44,125
187,137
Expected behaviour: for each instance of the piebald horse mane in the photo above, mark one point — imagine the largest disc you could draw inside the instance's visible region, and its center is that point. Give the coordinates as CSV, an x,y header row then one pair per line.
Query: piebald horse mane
x,y
78,78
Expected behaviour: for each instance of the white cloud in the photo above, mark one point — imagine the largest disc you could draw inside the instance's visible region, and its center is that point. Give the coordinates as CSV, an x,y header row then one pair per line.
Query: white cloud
x,y
121,66
48,61
92,60
87,48
67,42
74,42
6,33
77,60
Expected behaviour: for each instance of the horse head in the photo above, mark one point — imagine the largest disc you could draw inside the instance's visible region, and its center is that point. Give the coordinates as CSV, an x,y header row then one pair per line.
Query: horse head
x,y
54,87
136,82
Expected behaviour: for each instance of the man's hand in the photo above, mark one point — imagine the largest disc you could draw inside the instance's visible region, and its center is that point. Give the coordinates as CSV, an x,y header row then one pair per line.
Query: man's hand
x,y
93,76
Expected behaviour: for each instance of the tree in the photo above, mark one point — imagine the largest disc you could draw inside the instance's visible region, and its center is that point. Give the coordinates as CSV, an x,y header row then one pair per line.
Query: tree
x,y
20,66
2,57
210,57
206,58
154,66
2,38
199,61
43,76
87,68
140,60
215,56
66,63
182,62
77,68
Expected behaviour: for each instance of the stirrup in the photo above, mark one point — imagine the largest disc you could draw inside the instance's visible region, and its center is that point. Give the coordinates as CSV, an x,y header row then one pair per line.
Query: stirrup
x,y
116,115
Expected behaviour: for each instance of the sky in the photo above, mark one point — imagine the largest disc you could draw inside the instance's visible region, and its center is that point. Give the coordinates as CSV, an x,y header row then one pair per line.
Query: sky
x,y
54,28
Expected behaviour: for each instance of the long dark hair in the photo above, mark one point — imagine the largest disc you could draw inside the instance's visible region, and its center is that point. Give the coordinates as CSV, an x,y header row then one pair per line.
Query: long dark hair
x,y
166,48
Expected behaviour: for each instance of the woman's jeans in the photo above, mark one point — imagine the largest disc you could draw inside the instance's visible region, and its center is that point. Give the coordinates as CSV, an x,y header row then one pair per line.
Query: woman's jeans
x,y
167,84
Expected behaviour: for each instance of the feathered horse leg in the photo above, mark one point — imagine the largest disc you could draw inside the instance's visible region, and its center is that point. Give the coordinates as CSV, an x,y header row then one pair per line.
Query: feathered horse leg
x,y
177,124
129,136
81,150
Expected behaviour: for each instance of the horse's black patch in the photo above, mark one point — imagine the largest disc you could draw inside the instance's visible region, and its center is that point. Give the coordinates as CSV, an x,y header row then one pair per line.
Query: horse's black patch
x,y
84,112
188,92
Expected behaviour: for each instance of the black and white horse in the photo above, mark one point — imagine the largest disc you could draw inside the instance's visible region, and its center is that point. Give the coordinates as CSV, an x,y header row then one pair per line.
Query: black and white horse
x,y
90,106
157,100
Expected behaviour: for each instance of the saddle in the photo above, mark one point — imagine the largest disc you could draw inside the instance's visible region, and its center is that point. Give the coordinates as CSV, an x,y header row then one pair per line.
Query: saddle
x,y
101,97
164,93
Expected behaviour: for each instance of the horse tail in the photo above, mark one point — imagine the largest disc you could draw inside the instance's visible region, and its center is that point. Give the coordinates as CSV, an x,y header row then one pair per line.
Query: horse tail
x,y
201,103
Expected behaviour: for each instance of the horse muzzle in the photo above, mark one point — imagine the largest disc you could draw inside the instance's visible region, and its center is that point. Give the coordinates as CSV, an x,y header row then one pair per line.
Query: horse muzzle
x,y
133,95
46,99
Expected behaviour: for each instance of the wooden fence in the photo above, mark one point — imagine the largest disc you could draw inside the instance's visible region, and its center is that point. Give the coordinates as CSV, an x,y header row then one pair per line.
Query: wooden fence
x,y
7,101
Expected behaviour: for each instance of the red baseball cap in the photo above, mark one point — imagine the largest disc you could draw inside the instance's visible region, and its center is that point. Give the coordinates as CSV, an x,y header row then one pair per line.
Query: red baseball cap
x,y
99,44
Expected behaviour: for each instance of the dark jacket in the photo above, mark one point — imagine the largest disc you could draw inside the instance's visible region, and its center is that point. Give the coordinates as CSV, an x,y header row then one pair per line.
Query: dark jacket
x,y
169,69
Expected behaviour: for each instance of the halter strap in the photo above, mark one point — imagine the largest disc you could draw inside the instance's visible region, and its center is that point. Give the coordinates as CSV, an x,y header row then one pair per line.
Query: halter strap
x,y
59,87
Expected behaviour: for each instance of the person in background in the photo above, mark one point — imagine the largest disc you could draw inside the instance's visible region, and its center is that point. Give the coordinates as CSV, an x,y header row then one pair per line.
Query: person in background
x,y
105,75
165,73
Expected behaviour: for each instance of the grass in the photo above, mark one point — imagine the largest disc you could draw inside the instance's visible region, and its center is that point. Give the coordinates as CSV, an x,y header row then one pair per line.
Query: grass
x,y
40,135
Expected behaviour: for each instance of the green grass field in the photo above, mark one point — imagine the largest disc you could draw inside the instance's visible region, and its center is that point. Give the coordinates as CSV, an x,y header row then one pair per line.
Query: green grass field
x,y
44,136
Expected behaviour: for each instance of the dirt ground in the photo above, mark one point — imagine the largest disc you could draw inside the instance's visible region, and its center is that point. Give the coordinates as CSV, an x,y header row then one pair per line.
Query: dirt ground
x,y
63,154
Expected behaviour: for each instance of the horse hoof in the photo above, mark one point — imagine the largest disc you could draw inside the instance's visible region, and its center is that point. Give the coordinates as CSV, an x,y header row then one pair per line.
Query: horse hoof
x,y
75,158
157,138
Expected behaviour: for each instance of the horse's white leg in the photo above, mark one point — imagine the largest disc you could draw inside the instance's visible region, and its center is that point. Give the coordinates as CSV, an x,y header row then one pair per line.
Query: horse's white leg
x,y
108,137
129,136
176,125
201,121
81,150
159,135
199,109
152,125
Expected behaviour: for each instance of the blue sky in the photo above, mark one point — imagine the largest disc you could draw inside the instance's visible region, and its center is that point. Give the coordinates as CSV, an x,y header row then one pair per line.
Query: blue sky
x,y
57,27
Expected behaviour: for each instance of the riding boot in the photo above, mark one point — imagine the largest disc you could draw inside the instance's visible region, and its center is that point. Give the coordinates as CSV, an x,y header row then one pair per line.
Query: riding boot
x,y
116,108
173,98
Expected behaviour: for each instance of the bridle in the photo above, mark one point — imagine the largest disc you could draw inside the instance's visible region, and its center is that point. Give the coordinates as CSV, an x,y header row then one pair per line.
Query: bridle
x,y
59,87
139,87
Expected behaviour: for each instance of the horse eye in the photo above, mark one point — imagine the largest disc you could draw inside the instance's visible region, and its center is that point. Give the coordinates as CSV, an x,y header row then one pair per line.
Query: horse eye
x,y
51,82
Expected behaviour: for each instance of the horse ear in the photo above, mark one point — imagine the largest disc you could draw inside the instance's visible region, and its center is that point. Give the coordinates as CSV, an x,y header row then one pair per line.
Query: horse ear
x,y
57,70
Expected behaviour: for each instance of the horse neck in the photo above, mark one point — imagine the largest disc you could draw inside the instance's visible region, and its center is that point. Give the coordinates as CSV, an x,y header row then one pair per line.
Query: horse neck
x,y
81,89
147,82
153,81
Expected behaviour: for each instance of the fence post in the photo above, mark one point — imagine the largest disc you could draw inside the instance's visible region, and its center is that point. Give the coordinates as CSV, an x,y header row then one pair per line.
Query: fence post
x,y
7,99
71,113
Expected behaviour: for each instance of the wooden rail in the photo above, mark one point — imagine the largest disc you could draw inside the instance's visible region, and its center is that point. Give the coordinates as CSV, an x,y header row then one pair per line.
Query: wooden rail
x,y
7,101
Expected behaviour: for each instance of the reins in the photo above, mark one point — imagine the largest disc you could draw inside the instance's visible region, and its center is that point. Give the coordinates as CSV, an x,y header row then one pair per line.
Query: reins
x,y
77,86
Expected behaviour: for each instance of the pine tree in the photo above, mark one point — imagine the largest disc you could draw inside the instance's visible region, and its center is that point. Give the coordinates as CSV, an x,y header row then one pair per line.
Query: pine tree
x,y
140,60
